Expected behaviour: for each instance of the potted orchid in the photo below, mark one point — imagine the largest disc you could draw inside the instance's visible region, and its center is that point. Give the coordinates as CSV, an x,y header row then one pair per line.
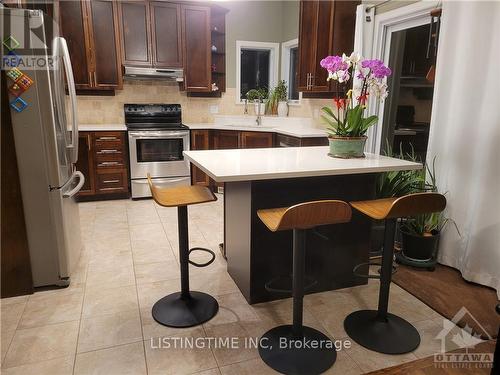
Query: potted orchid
x,y
347,122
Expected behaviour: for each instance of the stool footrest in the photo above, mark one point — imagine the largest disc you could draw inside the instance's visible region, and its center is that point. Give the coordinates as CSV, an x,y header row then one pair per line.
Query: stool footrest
x,y
282,284
205,250
355,269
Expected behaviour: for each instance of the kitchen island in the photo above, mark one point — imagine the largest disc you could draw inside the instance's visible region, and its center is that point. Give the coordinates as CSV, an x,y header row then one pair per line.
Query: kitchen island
x,y
280,177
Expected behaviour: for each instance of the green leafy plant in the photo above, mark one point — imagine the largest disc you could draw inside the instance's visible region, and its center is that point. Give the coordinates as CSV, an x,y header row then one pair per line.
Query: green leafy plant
x,y
281,91
399,183
428,224
272,103
258,94
352,125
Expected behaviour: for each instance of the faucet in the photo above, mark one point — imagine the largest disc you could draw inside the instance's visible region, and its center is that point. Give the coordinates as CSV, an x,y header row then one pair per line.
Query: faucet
x,y
258,120
245,112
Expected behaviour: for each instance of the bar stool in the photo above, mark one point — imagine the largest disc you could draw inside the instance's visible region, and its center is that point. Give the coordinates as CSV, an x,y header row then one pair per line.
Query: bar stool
x,y
185,308
379,330
291,358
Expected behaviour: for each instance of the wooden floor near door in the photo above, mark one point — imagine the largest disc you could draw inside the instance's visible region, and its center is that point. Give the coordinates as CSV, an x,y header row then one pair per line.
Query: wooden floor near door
x,y
445,291
429,366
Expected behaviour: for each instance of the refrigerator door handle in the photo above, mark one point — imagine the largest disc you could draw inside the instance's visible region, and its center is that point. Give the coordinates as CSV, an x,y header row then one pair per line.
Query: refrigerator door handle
x,y
62,50
76,189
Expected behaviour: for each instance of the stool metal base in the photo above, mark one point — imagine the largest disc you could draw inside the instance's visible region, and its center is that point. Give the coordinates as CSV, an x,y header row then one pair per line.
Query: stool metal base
x,y
295,356
174,311
393,336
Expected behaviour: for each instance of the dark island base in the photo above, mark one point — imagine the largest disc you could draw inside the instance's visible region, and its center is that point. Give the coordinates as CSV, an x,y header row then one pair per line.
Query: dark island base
x,y
256,255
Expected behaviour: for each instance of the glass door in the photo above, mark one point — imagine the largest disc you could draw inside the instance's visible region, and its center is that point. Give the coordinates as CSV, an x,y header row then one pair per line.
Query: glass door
x,y
159,150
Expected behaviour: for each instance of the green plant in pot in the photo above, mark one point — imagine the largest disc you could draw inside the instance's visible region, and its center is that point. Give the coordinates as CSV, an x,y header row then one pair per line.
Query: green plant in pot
x,y
420,234
258,96
277,103
395,184
347,121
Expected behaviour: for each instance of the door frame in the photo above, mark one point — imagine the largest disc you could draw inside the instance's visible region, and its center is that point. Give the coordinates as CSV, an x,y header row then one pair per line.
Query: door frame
x,y
373,39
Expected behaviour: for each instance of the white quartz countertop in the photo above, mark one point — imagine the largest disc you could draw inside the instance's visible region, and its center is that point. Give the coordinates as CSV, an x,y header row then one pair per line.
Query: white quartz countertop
x,y
101,127
301,131
287,162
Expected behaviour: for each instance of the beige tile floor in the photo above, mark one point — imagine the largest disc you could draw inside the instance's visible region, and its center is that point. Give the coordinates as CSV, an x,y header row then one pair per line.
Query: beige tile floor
x,y
102,323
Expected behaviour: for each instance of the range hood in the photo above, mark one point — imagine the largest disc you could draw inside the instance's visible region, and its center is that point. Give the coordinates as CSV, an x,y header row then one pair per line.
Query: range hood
x,y
172,74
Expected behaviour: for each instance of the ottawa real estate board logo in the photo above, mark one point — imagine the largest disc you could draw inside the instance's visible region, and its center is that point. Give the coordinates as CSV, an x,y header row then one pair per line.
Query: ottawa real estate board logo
x,y
458,345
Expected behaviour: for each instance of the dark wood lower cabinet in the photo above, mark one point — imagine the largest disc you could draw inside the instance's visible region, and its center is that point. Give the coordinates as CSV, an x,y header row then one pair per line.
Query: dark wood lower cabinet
x,y
103,160
288,141
200,140
225,139
256,140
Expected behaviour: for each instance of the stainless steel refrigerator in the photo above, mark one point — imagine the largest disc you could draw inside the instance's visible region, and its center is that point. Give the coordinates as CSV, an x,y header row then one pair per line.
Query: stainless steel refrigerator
x,y
46,140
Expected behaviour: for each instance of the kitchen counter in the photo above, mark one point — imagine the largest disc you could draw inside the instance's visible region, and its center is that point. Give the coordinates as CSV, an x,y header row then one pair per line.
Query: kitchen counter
x,y
257,179
101,127
287,162
299,129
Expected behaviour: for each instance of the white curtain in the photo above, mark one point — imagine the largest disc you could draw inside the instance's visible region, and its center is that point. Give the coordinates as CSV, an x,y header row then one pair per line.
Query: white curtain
x,y
465,137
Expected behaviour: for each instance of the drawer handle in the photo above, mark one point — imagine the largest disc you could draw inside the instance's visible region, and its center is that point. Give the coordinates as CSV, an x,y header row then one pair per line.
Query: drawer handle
x,y
107,138
109,163
109,152
113,188
111,181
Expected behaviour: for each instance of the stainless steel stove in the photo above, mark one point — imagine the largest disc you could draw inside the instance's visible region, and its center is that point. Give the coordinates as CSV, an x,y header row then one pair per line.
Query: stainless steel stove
x,y
157,139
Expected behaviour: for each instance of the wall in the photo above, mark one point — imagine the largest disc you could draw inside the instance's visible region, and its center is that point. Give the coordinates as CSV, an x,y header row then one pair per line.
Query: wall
x,y
109,109
250,20
290,17
265,21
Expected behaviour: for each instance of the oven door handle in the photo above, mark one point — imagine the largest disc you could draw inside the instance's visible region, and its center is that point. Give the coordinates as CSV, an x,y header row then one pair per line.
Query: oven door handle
x,y
153,134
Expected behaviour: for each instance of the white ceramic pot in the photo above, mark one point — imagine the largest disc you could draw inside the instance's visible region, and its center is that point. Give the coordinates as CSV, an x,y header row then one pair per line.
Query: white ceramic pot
x,y
282,109
262,108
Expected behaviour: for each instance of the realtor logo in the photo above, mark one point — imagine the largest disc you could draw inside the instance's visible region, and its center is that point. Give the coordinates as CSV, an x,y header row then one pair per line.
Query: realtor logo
x,y
26,42
452,338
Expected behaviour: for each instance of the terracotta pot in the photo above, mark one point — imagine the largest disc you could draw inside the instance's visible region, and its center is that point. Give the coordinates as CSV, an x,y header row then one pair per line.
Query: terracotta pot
x,y
347,147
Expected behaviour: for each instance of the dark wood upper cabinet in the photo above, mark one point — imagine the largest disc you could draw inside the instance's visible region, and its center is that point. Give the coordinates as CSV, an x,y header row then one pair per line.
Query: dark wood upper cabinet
x,y
325,28
91,31
197,49
136,34
103,30
166,34
73,26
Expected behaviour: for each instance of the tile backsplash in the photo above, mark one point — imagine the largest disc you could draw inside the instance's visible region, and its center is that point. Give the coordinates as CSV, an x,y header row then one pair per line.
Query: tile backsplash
x,y
109,109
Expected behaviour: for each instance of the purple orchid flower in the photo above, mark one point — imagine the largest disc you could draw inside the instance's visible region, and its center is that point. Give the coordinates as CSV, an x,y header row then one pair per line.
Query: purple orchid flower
x,y
333,64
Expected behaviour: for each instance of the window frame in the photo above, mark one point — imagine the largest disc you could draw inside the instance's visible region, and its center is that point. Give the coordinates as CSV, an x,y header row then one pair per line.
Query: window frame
x,y
285,66
274,49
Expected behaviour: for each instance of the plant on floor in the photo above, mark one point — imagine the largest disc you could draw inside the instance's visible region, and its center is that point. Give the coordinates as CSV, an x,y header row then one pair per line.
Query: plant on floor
x,y
399,183
425,225
347,122
420,234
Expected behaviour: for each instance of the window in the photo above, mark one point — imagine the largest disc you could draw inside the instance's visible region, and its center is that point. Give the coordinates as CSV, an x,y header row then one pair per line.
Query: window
x,y
289,65
256,66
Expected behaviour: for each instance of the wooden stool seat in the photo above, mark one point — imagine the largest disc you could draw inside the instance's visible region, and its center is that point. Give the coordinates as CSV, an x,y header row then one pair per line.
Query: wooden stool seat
x,y
288,358
379,330
186,308
306,215
409,205
181,195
